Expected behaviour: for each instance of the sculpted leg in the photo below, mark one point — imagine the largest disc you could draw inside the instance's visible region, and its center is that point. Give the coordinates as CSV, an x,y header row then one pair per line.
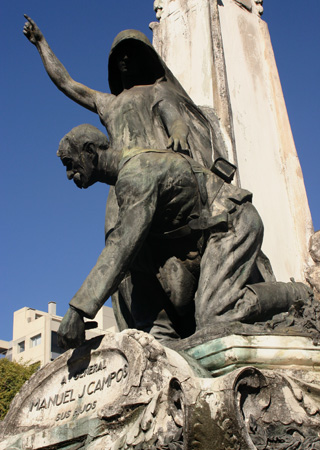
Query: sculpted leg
x,y
263,300
150,308
180,286
227,264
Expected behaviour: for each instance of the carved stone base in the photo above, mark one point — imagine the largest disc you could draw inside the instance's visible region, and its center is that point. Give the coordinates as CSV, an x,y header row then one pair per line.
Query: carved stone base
x,y
126,391
223,355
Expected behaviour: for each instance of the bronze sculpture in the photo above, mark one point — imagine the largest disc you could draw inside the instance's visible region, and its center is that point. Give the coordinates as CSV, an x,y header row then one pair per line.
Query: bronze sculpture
x,y
215,272
147,107
189,240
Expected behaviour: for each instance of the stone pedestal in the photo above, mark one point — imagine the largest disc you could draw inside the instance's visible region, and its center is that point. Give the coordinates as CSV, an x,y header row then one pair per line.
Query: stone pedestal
x,y
127,391
272,352
221,53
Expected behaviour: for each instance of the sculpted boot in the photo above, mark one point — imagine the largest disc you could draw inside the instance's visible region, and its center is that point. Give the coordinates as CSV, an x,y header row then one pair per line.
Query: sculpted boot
x,y
262,301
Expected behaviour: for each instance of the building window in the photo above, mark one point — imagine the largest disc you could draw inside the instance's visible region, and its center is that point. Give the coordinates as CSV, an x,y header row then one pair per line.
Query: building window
x,y
55,349
38,316
21,347
35,340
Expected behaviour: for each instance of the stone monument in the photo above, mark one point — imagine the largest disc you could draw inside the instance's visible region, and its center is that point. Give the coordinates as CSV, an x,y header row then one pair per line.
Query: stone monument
x,y
213,353
127,391
103,396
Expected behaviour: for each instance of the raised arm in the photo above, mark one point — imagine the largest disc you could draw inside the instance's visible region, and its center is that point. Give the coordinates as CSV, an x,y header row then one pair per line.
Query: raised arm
x,y
56,71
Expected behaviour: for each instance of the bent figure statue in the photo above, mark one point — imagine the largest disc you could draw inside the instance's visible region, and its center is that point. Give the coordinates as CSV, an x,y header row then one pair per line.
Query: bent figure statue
x,y
189,240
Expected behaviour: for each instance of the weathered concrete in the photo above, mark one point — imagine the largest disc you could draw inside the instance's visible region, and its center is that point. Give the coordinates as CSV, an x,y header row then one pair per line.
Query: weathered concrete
x,y
314,247
313,277
313,272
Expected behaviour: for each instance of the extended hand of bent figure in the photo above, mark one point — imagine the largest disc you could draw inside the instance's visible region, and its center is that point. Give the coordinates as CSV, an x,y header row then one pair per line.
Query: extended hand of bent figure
x,y
71,333
178,137
31,31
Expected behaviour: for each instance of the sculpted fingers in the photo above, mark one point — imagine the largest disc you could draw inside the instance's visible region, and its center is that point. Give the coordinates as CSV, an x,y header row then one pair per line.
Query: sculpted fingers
x,y
170,142
70,340
184,144
174,143
177,142
181,143
31,31
27,29
71,333
29,25
29,19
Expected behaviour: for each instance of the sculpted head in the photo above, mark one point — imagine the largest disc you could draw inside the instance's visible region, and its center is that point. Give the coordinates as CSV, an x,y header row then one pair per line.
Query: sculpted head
x,y
78,151
128,59
133,62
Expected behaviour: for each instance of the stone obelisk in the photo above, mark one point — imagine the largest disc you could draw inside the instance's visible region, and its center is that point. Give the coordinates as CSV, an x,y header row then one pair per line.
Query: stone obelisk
x,y
221,52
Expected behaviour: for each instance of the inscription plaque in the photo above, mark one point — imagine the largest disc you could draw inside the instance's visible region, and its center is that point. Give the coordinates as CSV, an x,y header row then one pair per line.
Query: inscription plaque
x,y
70,393
79,392
114,392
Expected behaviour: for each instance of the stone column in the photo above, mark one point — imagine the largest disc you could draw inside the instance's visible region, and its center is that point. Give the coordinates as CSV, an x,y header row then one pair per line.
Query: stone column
x,y
220,51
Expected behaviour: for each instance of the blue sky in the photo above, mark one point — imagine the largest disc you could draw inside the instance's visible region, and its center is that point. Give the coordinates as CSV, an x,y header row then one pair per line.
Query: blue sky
x,y
52,232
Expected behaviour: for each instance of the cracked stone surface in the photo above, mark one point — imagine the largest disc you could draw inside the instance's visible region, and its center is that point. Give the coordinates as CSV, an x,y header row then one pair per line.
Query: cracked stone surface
x,y
125,391
314,247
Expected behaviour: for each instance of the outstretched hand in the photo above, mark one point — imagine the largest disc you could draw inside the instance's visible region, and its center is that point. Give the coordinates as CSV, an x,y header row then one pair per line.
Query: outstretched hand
x,y
71,333
31,31
178,138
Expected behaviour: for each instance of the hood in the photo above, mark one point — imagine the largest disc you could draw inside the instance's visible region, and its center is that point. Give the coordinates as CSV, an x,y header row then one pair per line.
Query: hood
x,y
152,66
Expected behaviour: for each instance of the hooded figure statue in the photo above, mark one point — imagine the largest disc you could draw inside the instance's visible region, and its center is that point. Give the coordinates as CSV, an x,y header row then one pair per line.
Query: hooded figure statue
x,y
149,104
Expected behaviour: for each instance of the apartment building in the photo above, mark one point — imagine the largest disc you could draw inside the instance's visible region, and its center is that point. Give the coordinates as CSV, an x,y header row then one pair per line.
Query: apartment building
x,y
34,337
